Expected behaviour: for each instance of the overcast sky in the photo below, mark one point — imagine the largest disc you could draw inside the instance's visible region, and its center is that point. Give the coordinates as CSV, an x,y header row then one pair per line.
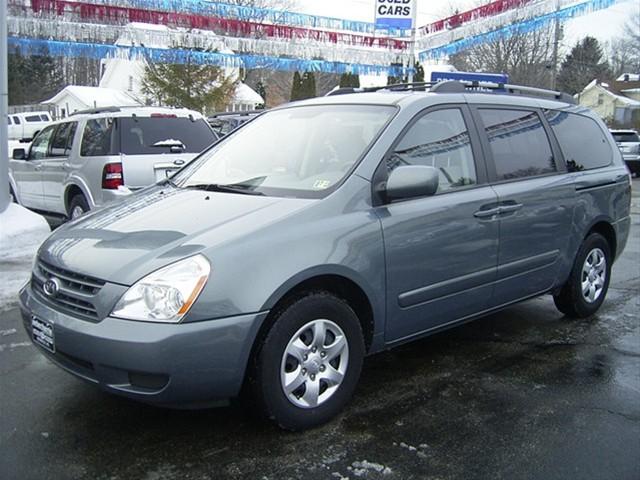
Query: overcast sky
x,y
603,24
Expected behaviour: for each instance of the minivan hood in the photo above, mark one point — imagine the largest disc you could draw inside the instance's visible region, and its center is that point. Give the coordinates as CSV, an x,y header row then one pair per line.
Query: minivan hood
x,y
124,242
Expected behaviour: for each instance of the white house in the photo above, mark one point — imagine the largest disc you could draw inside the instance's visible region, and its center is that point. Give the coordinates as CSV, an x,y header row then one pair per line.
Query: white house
x,y
74,97
610,106
126,75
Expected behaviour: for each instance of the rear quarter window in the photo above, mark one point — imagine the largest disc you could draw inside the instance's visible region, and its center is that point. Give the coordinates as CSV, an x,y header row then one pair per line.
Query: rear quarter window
x,y
99,138
33,118
582,141
624,137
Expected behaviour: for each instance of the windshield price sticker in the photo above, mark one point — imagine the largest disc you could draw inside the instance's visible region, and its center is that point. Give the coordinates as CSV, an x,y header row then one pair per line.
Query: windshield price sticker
x,y
396,14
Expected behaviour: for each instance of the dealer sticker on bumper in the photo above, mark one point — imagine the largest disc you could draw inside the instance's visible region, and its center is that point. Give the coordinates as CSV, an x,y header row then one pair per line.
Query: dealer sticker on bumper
x,y
42,332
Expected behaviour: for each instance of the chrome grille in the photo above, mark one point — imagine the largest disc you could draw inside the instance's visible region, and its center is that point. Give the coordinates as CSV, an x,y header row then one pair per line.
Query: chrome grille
x,y
76,292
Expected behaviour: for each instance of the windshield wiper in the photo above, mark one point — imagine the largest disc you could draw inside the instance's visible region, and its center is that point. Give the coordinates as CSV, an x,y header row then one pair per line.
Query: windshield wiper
x,y
168,181
216,187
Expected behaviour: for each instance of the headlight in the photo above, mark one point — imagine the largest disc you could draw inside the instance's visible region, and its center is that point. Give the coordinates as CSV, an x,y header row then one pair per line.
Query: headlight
x,y
165,295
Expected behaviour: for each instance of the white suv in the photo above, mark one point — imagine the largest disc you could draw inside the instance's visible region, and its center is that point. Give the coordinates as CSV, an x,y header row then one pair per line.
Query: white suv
x,y
100,155
629,143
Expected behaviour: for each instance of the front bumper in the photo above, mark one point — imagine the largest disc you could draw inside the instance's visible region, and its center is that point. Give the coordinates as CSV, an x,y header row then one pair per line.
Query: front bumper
x,y
177,365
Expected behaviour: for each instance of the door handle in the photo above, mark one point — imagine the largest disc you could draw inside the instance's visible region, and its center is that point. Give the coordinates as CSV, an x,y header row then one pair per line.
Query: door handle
x,y
37,168
514,207
66,165
487,213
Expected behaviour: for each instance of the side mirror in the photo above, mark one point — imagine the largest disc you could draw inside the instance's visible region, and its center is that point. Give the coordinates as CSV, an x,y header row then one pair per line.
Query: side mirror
x,y
411,181
19,154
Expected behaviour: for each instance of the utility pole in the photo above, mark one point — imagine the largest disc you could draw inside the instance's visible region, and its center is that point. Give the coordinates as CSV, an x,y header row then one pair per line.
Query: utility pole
x,y
4,107
556,41
412,47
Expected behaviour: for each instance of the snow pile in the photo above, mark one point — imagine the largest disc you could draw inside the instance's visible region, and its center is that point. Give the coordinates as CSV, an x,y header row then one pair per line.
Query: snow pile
x,y
21,233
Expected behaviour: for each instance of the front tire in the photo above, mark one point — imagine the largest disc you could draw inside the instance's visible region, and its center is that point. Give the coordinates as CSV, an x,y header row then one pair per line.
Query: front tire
x,y
585,290
309,363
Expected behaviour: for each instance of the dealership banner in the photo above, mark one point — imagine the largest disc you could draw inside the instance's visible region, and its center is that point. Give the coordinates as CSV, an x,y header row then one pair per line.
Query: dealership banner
x,y
394,14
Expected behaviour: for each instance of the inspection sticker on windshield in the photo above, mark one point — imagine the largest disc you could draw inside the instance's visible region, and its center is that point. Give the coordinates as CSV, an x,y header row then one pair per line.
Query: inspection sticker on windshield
x,y
42,332
321,184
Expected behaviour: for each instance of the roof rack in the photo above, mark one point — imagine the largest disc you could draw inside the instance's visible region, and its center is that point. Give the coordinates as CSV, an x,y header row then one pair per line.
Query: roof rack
x,y
394,87
462,86
95,110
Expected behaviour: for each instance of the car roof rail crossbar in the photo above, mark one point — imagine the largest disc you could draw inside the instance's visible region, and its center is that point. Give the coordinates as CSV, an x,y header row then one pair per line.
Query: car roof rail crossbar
x,y
89,111
460,86
424,86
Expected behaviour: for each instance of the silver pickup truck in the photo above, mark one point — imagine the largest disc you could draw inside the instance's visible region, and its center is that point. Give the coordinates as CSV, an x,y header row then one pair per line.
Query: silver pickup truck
x,y
96,156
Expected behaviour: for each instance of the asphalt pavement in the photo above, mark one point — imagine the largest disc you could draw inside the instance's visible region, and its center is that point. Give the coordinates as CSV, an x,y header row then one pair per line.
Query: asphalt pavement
x,y
522,394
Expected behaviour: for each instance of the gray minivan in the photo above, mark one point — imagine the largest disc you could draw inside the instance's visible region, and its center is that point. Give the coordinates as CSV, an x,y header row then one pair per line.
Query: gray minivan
x,y
327,230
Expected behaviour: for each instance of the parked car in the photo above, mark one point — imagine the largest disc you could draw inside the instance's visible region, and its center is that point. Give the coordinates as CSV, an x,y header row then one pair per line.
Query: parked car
x,y
327,230
95,156
223,123
24,126
629,143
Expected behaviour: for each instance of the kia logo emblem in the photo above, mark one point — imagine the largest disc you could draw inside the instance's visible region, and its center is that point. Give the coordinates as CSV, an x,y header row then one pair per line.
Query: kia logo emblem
x,y
51,287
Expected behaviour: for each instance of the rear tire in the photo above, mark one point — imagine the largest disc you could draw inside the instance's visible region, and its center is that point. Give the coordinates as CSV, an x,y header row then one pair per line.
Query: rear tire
x,y
309,363
583,293
78,206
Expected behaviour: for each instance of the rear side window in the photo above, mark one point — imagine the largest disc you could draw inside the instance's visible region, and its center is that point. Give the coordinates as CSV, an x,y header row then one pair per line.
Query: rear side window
x,y
626,137
45,117
9,120
582,141
33,118
439,139
99,138
155,135
518,142
62,139
16,120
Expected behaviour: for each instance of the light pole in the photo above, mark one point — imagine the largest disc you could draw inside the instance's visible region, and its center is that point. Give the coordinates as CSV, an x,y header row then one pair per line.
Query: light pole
x,y
412,47
4,102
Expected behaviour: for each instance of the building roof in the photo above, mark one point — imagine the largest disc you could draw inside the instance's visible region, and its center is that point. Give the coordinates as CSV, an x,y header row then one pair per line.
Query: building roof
x,y
246,94
95,96
621,98
629,77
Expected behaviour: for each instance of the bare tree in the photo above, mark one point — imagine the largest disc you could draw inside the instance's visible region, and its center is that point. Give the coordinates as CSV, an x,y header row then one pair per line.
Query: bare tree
x,y
526,56
624,51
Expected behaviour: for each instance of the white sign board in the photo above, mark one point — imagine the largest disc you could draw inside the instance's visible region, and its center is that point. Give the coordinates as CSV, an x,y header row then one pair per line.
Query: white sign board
x,y
395,14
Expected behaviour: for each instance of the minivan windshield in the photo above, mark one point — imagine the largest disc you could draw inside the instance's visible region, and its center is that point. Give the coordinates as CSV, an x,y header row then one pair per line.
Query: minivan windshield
x,y
299,151
624,137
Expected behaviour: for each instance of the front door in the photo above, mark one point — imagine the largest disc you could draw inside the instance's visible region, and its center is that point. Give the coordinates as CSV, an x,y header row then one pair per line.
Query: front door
x,y
28,173
441,251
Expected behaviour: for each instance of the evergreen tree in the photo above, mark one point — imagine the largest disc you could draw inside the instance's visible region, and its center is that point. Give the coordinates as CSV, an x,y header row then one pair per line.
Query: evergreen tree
x,y
204,88
33,79
418,75
584,63
296,87
262,92
349,80
308,85
391,80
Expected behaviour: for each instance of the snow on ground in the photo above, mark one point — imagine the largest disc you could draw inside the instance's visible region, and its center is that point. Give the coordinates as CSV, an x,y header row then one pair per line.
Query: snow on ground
x,y
21,233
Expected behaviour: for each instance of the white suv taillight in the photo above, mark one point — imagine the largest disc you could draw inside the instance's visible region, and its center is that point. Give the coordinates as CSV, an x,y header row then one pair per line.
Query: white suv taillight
x,y
112,177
